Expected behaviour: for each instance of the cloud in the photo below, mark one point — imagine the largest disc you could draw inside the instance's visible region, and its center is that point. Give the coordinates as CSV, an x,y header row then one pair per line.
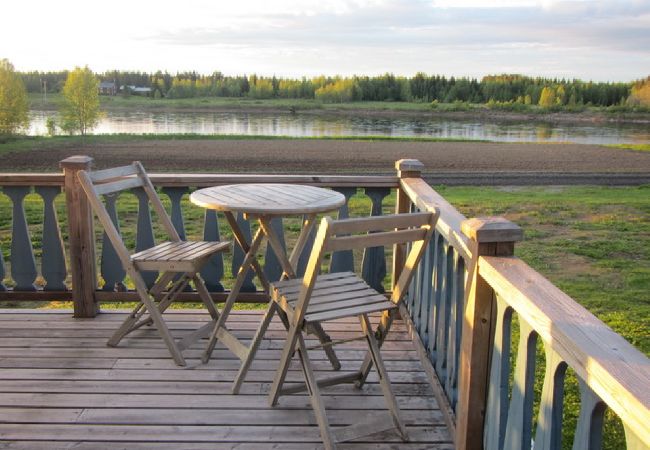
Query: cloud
x,y
601,39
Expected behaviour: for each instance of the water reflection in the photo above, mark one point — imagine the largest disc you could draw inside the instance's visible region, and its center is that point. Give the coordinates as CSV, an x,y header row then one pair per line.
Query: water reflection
x,y
279,124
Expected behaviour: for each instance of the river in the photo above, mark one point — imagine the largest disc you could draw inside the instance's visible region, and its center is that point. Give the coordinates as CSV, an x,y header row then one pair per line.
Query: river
x,y
287,124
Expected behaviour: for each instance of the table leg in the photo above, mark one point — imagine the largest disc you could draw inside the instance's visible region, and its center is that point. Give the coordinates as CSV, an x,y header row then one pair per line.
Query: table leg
x,y
274,241
249,260
308,223
241,240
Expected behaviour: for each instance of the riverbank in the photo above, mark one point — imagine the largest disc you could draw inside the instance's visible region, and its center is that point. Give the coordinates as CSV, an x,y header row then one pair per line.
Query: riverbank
x,y
446,162
454,111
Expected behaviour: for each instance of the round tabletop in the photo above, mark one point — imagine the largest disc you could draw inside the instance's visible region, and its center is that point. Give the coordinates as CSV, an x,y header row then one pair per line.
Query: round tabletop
x,y
268,199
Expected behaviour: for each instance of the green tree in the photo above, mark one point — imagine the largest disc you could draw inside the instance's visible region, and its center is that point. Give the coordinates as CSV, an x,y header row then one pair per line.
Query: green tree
x,y
80,111
547,98
13,100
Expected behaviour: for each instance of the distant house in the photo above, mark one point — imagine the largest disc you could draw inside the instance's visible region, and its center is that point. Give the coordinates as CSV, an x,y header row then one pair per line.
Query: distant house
x,y
137,90
107,88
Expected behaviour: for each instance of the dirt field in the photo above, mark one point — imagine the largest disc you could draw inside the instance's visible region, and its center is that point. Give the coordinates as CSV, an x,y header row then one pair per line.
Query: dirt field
x,y
446,159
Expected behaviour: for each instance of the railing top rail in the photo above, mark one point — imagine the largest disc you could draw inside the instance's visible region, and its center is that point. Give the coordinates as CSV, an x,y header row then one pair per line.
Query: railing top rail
x,y
616,371
31,179
206,179
450,220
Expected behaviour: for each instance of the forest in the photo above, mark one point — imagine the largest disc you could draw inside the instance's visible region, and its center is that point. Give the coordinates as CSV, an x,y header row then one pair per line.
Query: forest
x,y
491,89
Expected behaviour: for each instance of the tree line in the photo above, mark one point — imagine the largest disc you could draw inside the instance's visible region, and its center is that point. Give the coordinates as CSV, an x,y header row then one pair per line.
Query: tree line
x,y
336,89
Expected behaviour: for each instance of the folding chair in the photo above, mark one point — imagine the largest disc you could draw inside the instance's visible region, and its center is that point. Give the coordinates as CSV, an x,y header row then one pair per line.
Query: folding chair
x,y
178,261
321,298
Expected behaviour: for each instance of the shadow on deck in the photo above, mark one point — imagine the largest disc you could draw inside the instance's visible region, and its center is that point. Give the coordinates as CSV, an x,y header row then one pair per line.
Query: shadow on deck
x,y
61,387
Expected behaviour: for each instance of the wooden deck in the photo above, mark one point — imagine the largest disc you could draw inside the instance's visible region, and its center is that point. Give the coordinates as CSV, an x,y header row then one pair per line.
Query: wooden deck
x,y
61,387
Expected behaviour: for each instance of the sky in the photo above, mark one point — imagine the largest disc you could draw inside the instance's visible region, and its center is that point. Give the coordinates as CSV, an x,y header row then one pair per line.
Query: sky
x,y
600,40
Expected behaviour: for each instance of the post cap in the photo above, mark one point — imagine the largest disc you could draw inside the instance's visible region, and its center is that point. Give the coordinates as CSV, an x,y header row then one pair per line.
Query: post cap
x,y
491,229
76,162
409,168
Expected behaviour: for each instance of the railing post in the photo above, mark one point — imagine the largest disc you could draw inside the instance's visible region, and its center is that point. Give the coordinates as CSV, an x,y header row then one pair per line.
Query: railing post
x,y
406,168
491,236
81,238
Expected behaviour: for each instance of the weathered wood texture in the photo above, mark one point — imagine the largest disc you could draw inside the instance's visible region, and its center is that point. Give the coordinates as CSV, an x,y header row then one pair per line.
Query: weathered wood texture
x,y
70,390
608,365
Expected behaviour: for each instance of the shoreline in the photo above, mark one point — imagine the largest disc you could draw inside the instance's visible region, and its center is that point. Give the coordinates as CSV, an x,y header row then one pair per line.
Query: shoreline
x,y
368,109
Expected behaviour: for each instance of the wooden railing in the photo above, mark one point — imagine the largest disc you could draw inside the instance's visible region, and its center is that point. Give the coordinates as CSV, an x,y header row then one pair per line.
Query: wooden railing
x,y
459,310
462,305
70,270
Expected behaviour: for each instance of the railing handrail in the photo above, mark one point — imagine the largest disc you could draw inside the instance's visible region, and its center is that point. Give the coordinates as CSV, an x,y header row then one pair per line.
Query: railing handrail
x,y
211,179
449,223
613,368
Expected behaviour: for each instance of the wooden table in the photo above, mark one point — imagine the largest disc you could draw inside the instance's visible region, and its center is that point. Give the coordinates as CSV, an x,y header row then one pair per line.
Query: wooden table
x,y
264,202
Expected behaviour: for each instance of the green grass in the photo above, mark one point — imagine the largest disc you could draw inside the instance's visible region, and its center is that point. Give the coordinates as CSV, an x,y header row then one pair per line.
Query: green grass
x,y
592,242
638,147
287,104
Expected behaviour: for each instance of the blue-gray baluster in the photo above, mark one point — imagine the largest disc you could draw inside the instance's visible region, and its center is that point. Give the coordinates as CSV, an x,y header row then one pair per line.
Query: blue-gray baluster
x,y
212,272
144,235
520,413
272,268
374,260
548,435
23,264
437,285
446,286
175,195
589,430
306,252
112,270
3,273
424,289
53,267
238,255
455,321
343,260
497,400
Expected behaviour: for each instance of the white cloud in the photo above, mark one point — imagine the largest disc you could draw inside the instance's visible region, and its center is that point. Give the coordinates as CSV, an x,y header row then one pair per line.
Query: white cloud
x,y
599,39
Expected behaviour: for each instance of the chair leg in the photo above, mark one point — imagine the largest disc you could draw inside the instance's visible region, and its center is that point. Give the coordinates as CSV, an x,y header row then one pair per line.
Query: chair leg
x,y
384,381
382,330
156,316
285,361
314,395
206,298
324,338
131,322
252,350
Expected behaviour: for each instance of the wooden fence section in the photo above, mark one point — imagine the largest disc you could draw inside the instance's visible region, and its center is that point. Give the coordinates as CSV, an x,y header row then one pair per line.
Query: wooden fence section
x,y
469,300
66,255
462,305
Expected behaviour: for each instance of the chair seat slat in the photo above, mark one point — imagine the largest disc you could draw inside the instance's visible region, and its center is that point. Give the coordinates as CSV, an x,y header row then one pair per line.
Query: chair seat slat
x,y
298,281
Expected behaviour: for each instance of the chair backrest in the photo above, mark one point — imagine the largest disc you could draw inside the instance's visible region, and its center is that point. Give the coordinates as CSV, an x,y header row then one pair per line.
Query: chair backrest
x,y
347,234
109,181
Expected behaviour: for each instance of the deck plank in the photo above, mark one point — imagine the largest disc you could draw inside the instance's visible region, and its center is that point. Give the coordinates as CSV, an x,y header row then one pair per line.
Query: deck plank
x,y
61,387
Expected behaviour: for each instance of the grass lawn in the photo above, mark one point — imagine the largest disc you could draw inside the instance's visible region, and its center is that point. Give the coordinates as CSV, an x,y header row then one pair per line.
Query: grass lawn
x,y
140,103
592,242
